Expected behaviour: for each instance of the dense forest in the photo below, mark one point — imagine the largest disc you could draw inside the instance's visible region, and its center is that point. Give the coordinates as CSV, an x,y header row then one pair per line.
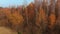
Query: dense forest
x,y
40,17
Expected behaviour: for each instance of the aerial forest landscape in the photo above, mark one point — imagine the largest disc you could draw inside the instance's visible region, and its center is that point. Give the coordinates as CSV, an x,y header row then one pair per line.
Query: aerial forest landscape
x,y
32,17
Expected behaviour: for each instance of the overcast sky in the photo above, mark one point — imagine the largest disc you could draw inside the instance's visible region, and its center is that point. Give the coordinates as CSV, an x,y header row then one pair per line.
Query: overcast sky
x,y
6,3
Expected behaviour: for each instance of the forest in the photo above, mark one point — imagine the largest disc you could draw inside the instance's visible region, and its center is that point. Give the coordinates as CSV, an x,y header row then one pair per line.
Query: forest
x,y
40,17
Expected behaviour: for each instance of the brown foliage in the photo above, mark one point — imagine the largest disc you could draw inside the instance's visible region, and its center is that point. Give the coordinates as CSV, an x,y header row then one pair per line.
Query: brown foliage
x,y
33,19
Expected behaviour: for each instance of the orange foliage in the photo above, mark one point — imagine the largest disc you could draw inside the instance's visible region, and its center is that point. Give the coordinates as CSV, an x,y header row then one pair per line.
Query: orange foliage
x,y
52,20
16,17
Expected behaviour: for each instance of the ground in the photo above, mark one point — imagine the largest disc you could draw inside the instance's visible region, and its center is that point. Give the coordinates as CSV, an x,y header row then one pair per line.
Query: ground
x,y
4,30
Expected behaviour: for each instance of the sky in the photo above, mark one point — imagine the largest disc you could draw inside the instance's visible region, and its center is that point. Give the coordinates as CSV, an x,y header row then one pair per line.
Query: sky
x,y
6,3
